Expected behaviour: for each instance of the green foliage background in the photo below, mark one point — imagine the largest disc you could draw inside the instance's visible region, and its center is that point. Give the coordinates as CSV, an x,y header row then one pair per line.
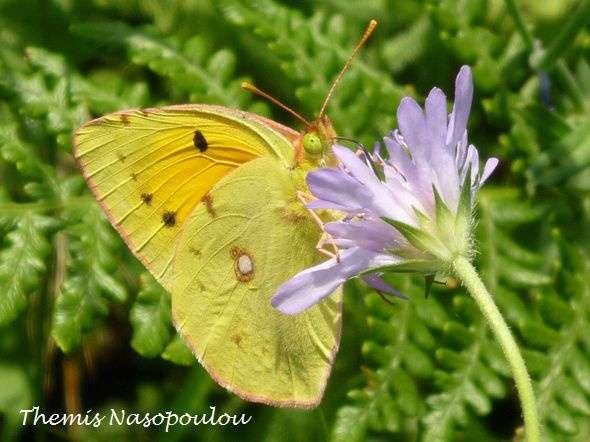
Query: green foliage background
x,y
82,326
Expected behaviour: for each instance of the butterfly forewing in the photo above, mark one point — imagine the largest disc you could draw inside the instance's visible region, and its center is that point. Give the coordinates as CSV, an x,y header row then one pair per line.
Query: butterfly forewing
x,y
150,169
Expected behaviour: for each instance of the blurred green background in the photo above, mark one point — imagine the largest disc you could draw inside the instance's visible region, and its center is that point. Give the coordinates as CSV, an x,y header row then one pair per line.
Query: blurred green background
x,y
82,326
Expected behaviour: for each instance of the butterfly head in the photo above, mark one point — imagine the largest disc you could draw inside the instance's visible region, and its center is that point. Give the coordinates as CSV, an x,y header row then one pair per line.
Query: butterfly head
x,y
318,138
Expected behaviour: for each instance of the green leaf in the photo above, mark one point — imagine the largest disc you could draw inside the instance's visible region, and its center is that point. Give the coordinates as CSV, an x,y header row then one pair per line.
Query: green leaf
x,y
177,352
544,59
150,319
398,355
309,52
22,264
210,81
89,283
15,395
350,425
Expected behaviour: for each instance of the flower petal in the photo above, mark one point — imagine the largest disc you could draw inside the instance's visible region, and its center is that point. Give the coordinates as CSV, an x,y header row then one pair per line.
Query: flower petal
x,y
472,160
329,205
400,158
412,125
372,234
442,158
312,285
446,177
382,201
377,282
336,186
436,117
461,151
461,107
357,167
489,167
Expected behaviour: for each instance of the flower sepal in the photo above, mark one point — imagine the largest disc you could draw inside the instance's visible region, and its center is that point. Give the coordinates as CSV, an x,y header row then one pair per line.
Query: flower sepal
x,y
419,266
422,240
463,218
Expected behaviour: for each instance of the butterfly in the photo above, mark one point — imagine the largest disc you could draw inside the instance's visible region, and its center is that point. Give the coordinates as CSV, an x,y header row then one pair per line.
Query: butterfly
x,y
209,199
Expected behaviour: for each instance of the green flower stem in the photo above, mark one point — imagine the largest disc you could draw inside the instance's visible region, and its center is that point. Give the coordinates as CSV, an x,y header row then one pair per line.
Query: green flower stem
x,y
465,271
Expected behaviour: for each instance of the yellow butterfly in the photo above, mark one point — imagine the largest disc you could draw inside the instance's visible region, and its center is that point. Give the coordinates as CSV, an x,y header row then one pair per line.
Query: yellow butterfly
x,y
206,197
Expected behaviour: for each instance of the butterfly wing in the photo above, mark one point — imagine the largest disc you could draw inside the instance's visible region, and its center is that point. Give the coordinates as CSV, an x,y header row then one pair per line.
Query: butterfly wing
x,y
149,169
228,263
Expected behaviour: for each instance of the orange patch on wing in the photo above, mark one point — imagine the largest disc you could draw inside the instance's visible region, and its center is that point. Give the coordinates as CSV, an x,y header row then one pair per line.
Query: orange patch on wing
x,y
237,339
208,201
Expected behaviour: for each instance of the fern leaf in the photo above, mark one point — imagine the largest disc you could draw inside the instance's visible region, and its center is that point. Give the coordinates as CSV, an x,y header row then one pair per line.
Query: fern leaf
x,y
467,383
178,353
313,64
563,379
89,283
23,263
398,354
150,319
203,78
15,395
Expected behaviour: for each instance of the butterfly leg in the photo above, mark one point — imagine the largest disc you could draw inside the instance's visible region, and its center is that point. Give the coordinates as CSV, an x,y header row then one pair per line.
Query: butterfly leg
x,y
326,237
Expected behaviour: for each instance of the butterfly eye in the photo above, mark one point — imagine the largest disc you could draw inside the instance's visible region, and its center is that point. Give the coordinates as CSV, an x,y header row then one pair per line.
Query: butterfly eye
x,y
312,144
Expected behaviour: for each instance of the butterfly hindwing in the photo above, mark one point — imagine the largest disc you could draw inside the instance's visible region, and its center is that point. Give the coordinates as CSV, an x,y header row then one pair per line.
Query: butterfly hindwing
x,y
229,261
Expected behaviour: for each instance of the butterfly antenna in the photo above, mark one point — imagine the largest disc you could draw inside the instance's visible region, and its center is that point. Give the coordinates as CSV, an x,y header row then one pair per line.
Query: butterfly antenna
x,y
370,28
251,88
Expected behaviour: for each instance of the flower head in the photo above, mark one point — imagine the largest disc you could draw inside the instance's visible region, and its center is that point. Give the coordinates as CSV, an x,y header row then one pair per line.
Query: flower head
x,y
411,211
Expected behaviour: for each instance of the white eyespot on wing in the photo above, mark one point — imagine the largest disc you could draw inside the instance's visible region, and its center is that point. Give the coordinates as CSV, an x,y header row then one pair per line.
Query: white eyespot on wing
x,y
244,267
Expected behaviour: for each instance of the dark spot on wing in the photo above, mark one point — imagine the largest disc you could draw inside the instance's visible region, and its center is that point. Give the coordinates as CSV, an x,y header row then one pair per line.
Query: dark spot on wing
x,y
169,218
208,201
237,339
199,141
147,198
125,119
235,252
121,157
194,251
133,176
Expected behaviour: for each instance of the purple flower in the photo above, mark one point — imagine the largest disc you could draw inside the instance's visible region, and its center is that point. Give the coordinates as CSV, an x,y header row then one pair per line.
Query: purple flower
x,y
410,212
